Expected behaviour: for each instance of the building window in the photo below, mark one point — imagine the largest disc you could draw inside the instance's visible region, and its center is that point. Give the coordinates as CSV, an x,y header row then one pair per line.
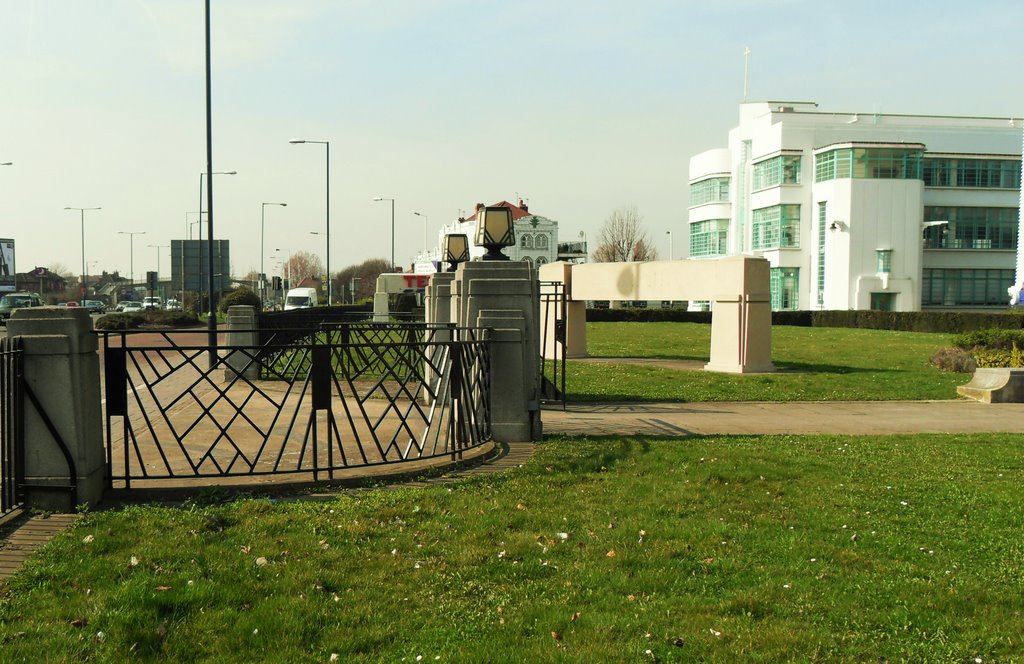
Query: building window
x,y
971,227
775,227
966,172
941,287
709,237
783,169
526,242
883,261
542,242
541,261
785,287
868,163
712,190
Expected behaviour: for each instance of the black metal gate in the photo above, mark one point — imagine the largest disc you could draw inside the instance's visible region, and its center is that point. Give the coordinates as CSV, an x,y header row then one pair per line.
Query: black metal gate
x,y
553,312
309,403
12,428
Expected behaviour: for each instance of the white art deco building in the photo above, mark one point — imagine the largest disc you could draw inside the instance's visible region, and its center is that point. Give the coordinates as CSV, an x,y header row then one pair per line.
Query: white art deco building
x,y
863,210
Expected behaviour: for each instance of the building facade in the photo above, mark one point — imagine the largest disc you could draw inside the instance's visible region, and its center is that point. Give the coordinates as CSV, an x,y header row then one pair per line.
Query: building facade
x,y
864,211
536,239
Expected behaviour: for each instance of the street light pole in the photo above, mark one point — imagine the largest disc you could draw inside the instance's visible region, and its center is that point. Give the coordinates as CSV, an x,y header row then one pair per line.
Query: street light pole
x,y
263,219
418,214
209,193
327,145
392,228
81,210
669,234
158,247
131,253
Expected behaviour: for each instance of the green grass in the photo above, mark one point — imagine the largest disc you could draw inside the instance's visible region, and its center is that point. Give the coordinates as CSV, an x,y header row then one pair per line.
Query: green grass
x,y
736,548
817,364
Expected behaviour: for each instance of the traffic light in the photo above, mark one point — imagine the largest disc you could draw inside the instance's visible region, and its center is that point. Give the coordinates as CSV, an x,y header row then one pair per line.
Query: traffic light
x,y
277,284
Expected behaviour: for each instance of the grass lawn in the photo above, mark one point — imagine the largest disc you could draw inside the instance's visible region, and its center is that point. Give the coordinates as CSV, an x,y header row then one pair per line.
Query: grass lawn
x,y
701,549
819,364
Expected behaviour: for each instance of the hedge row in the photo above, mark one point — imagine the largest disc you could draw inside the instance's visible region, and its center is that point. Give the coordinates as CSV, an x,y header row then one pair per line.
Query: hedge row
x,y
157,318
908,321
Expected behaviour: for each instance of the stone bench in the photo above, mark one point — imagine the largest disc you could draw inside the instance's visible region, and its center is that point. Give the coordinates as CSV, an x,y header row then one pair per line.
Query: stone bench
x,y
995,385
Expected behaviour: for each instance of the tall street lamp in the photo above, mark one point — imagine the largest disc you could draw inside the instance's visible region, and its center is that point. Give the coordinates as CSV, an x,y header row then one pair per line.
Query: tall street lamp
x,y
418,214
158,247
327,145
82,213
209,234
392,228
263,219
131,253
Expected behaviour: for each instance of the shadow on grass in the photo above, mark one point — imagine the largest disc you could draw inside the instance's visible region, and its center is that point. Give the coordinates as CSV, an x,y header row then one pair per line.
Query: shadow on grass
x,y
596,454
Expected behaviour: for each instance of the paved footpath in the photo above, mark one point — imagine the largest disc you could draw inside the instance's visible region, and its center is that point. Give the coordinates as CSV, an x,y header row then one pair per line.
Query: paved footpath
x,y
840,417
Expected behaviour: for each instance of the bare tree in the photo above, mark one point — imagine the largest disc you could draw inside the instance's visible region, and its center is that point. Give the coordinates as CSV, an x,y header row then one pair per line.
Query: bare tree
x,y
303,264
358,282
622,238
62,270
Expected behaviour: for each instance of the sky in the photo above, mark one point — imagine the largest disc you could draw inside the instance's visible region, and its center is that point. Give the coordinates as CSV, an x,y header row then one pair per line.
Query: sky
x,y
579,107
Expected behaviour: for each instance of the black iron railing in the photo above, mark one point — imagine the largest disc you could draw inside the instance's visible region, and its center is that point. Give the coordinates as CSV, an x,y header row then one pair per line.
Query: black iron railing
x,y
334,398
553,313
12,430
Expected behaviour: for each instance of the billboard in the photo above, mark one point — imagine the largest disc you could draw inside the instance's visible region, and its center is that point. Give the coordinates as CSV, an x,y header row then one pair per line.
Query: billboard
x,y
6,265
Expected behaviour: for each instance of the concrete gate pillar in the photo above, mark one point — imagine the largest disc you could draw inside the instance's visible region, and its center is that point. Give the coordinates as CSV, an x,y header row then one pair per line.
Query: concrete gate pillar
x,y
504,296
437,308
62,371
243,336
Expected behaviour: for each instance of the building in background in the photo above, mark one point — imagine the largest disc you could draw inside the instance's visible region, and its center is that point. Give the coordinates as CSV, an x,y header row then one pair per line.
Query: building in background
x,y
864,210
536,238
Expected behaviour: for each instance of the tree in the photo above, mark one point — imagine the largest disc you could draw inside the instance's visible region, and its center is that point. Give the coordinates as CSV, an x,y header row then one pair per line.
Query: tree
x,y
622,238
361,278
301,265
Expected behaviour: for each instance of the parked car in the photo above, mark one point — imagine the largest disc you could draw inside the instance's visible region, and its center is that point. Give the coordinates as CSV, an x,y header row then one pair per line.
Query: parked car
x,y
152,303
72,303
131,307
172,305
12,301
95,307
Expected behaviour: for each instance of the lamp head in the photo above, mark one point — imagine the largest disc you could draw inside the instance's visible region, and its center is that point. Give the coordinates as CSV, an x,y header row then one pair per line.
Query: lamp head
x,y
297,140
494,231
456,249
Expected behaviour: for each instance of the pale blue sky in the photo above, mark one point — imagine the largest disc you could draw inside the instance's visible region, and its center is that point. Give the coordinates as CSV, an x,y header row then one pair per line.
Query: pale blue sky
x,y
579,106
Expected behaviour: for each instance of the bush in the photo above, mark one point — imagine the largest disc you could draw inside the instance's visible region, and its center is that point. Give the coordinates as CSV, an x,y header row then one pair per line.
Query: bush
x,y
954,359
155,319
242,295
904,321
992,358
992,339
119,321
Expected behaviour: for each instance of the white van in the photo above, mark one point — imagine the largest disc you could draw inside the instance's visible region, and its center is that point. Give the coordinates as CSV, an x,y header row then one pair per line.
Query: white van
x,y
153,303
300,298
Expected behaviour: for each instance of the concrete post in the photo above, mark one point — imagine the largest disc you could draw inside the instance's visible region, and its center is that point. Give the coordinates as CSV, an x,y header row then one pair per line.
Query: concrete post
x,y
504,296
437,311
575,315
243,336
62,370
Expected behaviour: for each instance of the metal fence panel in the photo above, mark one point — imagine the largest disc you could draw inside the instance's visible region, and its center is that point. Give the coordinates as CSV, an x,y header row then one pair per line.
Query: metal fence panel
x,y
12,431
338,397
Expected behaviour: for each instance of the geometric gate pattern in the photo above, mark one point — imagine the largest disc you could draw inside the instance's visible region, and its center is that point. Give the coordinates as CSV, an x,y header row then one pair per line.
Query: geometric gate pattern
x,y
306,404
